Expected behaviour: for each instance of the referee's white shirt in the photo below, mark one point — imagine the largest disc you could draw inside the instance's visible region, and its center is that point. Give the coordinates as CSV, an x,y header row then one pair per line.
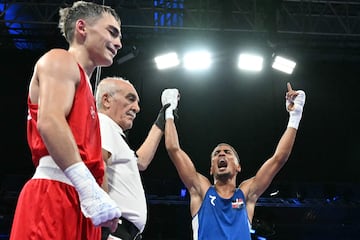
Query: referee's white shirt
x,y
125,186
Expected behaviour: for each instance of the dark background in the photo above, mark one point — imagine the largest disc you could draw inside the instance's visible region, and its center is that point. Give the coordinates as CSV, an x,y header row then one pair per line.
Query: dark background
x,y
318,187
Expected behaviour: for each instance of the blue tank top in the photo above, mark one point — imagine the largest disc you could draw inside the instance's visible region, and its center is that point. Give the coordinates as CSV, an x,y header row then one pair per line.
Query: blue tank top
x,y
222,219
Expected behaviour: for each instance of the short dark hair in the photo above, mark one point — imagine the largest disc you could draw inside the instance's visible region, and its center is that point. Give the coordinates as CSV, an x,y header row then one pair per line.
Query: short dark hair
x,y
232,148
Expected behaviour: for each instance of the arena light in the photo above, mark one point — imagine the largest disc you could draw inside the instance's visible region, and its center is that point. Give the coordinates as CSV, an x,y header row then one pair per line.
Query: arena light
x,y
167,60
250,62
284,65
183,192
197,60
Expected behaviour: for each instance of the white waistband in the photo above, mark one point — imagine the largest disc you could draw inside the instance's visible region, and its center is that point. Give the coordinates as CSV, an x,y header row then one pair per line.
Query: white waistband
x,y
48,169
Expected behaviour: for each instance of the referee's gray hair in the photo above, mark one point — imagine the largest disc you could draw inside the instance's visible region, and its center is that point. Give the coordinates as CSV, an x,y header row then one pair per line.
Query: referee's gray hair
x,y
107,86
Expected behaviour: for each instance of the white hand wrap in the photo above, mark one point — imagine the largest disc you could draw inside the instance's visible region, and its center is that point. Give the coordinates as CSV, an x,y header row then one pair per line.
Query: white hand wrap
x,y
296,111
170,96
95,202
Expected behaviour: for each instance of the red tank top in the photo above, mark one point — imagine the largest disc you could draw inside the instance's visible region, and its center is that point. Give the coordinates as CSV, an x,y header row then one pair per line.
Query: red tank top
x,y
84,123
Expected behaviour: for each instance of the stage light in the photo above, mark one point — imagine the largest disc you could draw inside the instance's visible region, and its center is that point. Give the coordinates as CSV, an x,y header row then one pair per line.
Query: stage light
x,y
275,193
167,60
202,59
250,62
261,238
284,65
197,60
183,192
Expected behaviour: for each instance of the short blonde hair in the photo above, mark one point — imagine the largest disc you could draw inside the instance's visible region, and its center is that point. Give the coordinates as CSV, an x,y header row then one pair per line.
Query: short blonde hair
x,y
81,10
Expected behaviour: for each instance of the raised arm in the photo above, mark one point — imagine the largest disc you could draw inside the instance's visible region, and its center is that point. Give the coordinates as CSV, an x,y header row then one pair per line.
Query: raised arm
x,y
148,148
184,165
196,183
255,186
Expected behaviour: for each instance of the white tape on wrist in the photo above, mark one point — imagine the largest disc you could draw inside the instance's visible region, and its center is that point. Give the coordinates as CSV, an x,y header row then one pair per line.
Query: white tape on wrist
x,y
294,121
297,109
169,113
94,201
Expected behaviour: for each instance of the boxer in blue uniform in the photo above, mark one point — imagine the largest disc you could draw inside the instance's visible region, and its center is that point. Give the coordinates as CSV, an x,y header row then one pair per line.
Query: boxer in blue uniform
x,y
224,211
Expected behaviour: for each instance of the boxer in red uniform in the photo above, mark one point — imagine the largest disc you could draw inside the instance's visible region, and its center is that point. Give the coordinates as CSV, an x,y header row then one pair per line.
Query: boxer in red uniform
x,y
64,200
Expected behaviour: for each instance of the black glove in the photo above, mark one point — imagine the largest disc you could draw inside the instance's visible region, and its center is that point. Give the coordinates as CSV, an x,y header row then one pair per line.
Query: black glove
x,y
160,120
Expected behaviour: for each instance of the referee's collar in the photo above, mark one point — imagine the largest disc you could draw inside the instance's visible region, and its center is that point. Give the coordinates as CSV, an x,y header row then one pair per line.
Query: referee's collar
x,y
113,123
